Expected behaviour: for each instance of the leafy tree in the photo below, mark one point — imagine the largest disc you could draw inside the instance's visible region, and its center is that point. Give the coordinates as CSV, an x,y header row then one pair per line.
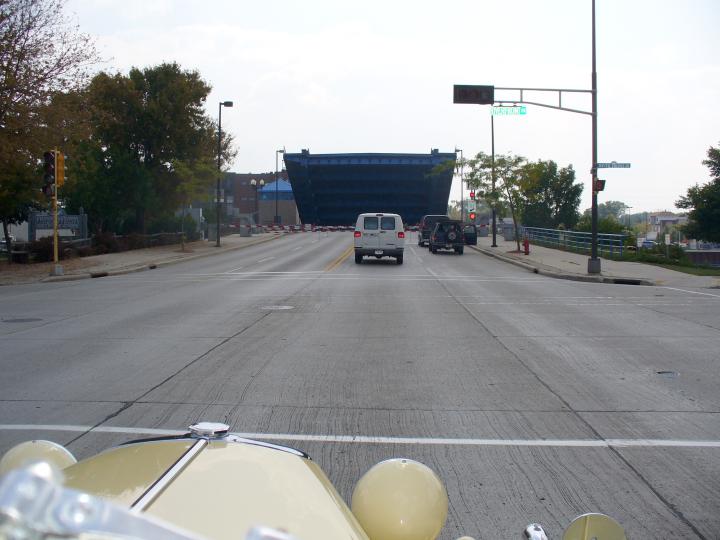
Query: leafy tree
x,y
550,197
606,225
194,181
614,209
704,203
508,183
41,53
143,123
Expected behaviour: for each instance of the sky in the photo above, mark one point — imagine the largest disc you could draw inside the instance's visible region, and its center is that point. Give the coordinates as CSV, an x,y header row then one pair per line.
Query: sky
x,y
334,76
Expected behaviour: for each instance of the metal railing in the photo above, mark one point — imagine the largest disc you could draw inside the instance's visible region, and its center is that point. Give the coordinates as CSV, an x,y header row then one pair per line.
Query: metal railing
x,y
608,244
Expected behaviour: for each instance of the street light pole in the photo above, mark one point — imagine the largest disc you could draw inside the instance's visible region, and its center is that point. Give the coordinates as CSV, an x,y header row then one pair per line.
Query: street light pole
x,y
219,156
492,175
277,181
594,262
462,195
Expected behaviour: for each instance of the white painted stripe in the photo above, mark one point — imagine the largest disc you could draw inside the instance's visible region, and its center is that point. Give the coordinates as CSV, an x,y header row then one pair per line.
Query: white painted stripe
x,y
363,439
265,259
692,292
234,270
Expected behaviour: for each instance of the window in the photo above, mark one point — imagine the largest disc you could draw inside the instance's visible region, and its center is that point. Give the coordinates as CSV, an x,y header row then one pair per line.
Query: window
x,y
387,223
370,224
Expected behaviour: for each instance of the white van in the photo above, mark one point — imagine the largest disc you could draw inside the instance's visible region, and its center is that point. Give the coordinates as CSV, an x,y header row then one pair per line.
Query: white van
x,y
379,235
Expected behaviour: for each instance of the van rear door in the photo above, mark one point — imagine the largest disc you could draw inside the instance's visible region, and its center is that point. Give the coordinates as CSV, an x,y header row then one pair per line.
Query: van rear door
x,y
370,232
388,232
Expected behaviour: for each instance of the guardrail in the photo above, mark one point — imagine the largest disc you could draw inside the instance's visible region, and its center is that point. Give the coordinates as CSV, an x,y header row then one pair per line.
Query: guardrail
x,y
608,244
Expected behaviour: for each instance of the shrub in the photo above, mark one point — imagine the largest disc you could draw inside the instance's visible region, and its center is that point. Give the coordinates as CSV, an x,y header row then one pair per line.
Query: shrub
x,y
105,243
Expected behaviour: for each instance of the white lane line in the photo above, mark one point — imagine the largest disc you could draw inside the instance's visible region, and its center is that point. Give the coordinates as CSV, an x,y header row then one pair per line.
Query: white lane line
x,y
692,292
233,270
265,259
299,247
363,439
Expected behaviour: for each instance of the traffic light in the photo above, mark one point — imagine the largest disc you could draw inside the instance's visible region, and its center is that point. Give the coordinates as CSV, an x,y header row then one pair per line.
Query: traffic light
x,y
472,216
48,173
59,169
470,93
599,185
472,195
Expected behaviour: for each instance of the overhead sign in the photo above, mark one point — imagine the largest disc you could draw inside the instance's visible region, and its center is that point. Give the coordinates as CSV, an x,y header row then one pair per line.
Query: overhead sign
x,y
480,95
613,165
508,111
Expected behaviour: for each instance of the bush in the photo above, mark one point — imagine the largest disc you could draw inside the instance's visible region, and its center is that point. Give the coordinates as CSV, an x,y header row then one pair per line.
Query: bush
x,y
105,243
42,250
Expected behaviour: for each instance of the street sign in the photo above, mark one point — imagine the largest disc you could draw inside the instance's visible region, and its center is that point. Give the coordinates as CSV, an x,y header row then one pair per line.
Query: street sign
x,y
472,206
465,93
613,165
508,110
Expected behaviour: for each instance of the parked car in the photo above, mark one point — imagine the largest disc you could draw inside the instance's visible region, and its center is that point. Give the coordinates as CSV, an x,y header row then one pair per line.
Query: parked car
x,y
447,235
470,234
648,244
379,235
427,224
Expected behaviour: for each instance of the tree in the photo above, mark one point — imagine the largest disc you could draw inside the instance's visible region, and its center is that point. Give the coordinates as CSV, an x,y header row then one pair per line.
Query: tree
x,y
614,209
508,186
194,181
143,123
41,53
550,197
704,203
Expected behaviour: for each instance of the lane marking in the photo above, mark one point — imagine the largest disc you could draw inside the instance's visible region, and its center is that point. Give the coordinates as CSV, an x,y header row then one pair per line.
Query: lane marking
x,y
234,270
299,247
364,439
337,262
265,259
693,292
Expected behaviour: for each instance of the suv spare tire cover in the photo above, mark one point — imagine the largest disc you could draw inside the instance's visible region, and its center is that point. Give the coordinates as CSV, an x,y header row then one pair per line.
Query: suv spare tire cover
x,y
452,235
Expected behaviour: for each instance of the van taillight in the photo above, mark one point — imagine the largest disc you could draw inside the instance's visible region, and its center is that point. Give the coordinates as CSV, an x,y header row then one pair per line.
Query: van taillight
x,y
401,234
357,234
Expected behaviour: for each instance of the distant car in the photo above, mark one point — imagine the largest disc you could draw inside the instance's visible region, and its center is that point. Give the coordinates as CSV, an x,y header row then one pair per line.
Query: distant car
x,y
427,224
470,234
379,235
648,244
447,235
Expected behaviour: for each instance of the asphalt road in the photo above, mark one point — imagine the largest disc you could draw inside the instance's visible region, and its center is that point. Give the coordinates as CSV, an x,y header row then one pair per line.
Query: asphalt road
x,y
534,399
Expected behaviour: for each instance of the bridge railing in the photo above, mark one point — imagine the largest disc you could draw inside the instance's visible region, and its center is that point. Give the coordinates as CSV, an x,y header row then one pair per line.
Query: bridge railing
x,y
608,244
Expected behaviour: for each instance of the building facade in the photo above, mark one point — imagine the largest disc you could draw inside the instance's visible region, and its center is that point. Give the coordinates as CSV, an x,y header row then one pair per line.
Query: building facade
x,y
332,189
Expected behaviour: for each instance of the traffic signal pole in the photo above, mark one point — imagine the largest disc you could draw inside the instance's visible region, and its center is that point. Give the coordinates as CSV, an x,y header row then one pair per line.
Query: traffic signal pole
x,y
59,163
494,216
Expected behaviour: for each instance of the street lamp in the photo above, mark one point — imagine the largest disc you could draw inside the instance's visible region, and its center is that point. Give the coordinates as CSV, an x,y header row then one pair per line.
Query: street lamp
x,y
462,202
256,185
277,181
219,156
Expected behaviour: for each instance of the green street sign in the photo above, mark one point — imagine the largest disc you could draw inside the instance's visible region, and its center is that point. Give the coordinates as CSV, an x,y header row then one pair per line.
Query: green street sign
x,y
508,111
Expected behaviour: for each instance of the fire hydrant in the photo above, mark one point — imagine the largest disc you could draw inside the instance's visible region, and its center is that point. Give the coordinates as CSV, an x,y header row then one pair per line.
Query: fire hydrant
x,y
526,245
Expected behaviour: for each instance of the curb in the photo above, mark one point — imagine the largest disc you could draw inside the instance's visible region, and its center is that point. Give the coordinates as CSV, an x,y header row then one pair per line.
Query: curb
x,y
545,271
154,265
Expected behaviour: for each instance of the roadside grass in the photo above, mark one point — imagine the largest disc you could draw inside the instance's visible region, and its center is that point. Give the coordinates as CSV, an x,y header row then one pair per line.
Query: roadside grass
x,y
694,270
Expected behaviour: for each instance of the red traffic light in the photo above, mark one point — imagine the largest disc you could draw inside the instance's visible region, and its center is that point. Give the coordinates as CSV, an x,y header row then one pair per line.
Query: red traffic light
x,y
472,216
472,195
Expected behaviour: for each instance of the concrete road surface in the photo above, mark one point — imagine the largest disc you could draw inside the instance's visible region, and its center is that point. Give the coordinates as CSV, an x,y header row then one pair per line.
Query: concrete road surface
x,y
534,399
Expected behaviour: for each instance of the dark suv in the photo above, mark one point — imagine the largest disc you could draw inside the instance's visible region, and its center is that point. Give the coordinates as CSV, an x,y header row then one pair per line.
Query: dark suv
x,y
427,224
447,235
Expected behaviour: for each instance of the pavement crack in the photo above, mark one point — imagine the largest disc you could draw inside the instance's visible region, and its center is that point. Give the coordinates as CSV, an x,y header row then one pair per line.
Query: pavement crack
x,y
670,506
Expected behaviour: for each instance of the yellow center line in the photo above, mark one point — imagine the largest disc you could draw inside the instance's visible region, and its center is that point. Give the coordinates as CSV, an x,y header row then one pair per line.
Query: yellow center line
x,y
344,255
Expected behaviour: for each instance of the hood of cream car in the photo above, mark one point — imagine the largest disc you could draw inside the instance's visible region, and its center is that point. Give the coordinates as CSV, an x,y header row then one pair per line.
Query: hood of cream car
x,y
224,490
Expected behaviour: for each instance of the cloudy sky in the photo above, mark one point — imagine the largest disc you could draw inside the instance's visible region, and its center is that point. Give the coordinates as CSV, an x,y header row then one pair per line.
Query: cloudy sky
x,y
377,76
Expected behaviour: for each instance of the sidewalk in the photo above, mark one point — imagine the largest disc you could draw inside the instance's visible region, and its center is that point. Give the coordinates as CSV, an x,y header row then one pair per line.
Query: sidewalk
x,y
567,265
112,264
